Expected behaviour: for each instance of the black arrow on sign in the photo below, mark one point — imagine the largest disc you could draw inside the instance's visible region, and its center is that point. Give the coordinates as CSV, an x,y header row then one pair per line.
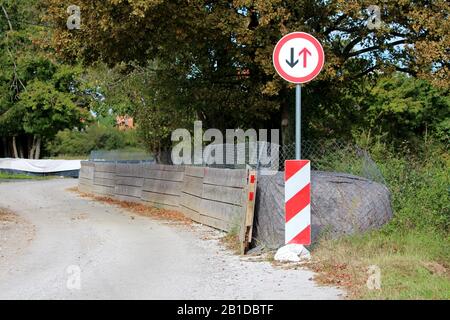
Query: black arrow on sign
x,y
292,63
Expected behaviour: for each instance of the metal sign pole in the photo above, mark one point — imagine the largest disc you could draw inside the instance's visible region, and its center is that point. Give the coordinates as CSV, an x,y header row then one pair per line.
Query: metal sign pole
x,y
298,125
287,56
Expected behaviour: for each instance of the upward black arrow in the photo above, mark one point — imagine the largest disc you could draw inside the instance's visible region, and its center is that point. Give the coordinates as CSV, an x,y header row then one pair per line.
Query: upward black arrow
x,y
292,63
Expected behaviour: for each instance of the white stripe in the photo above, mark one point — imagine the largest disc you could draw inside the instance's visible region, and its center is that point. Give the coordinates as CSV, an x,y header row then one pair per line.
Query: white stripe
x,y
298,223
297,182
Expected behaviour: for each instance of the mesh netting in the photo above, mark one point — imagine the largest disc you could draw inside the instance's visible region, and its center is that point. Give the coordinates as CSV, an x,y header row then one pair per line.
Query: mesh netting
x,y
325,155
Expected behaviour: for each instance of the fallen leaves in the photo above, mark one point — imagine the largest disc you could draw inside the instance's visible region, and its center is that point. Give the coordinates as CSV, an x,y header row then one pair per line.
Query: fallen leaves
x,y
138,208
7,216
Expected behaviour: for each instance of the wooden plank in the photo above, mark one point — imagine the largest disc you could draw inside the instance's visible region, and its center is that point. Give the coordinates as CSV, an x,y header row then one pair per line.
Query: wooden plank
x,y
246,233
215,223
86,172
159,186
105,167
104,175
128,191
193,185
102,190
121,197
163,167
129,181
84,175
104,182
85,181
224,194
164,175
191,214
129,169
225,177
220,210
190,201
194,171
87,163
158,198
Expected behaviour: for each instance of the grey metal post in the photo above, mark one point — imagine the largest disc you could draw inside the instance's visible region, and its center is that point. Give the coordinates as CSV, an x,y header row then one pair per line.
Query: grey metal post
x,y
298,125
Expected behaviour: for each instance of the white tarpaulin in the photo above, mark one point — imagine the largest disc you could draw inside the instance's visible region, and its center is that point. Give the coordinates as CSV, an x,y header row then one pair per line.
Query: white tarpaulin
x,y
39,166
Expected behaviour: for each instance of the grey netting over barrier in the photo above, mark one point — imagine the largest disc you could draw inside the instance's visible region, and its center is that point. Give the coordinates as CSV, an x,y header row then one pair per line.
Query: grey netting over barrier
x,y
340,204
120,155
348,192
336,156
325,155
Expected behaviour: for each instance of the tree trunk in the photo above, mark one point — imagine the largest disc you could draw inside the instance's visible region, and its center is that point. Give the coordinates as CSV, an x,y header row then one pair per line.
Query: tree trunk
x,y
38,148
20,147
33,148
14,147
29,146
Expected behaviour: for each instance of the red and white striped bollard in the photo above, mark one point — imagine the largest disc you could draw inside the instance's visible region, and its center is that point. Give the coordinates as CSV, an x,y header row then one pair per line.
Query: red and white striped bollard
x,y
297,196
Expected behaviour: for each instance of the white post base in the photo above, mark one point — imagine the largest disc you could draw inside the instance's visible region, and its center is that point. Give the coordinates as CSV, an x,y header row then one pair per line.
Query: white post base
x,y
292,253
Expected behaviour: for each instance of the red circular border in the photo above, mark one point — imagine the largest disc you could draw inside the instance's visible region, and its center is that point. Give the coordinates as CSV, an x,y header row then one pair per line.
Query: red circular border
x,y
302,35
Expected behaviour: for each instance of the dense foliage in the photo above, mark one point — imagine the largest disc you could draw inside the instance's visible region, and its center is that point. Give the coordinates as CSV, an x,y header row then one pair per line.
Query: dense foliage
x,y
212,60
95,137
38,94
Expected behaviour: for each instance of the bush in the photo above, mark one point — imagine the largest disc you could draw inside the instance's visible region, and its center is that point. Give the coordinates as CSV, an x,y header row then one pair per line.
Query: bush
x,y
420,191
81,143
412,251
418,178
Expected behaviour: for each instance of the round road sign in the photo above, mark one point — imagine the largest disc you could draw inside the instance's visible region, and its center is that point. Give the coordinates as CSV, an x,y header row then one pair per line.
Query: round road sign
x,y
298,57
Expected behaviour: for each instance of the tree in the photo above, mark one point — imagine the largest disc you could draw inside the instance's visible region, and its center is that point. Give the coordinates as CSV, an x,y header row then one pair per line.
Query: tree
x,y
45,112
38,95
214,57
410,107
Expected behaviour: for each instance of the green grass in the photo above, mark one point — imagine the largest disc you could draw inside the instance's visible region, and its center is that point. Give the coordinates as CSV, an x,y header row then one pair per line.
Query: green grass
x,y
413,249
413,265
21,176
68,157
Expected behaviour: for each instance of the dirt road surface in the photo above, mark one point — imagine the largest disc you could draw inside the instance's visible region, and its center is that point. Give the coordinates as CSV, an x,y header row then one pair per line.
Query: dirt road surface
x,y
63,246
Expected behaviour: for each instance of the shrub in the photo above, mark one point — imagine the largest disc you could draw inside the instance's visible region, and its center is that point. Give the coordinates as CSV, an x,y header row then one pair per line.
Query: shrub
x,y
97,137
420,191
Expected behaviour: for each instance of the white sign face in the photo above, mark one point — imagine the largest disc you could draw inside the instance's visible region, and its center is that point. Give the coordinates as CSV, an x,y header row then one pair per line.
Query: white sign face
x,y
298,57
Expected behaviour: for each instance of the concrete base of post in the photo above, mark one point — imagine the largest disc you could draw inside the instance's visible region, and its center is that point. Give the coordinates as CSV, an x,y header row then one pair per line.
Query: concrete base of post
x,y
292,253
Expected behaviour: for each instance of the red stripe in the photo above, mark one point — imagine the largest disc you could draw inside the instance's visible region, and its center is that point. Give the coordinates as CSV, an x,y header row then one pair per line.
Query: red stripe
x,y
252,178
303,237
298,202
291,167
251,196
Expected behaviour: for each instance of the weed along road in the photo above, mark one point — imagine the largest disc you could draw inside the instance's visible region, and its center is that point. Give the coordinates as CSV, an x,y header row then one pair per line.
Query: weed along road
x,y
72,247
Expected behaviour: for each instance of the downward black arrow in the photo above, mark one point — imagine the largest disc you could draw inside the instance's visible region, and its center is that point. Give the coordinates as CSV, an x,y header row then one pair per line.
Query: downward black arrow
x,y
292,63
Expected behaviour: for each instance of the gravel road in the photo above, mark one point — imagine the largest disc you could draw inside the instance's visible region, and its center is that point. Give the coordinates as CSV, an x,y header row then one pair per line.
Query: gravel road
x,y
63,246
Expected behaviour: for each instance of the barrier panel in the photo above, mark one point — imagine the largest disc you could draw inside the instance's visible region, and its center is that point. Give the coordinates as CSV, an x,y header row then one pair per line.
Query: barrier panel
x,y
128,182
211,196
192,192
223,198
86,177
104,178
162,185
